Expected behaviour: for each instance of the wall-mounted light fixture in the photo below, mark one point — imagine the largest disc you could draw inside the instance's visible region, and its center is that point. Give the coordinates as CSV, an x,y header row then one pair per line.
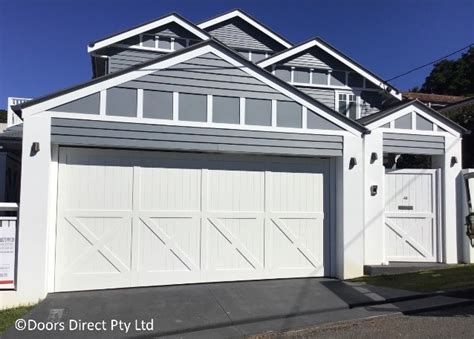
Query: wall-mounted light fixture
x,y
454,161
352,163
35,148
373,157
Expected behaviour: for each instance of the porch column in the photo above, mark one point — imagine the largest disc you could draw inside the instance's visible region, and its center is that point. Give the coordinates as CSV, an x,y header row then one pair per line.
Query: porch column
x,y
349,209
451,190
374,203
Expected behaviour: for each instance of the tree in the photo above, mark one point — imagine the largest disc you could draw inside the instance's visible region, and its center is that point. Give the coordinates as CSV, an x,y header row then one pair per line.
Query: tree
x,y
464,116
3,115
452,77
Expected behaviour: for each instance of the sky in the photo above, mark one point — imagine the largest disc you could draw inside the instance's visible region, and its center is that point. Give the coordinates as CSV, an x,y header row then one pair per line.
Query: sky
x,y
43,42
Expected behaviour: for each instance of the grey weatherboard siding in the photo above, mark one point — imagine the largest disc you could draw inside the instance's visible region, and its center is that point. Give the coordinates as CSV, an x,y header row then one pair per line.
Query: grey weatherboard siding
x,y
72,132
314,58
120,58
413,144
237,33
206,74
325,96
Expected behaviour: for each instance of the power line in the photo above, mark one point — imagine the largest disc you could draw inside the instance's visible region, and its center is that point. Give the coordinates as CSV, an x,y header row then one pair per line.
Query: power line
x,y
429,63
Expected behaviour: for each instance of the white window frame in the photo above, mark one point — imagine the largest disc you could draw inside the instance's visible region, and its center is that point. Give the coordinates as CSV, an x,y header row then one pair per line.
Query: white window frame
x,y
357,101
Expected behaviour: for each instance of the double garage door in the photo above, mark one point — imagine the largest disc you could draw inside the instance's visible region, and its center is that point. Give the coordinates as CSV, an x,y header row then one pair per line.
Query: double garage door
x,y
138,218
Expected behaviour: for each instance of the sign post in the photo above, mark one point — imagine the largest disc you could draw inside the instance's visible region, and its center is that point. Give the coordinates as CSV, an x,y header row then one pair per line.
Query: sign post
x,y
7,252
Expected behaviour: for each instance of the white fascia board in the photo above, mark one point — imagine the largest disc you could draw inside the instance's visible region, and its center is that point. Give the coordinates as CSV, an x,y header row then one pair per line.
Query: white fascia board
x,y
120,79
348,63
249,20
145,28
407,110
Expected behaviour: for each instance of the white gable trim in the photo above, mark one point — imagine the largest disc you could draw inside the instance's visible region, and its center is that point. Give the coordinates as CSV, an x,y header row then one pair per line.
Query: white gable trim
x,y
409,110
236,13
315,43
152,68
144,28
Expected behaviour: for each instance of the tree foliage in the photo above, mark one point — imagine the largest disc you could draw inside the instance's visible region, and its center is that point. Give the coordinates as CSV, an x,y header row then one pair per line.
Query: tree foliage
x,y
3,115
464,116
452,77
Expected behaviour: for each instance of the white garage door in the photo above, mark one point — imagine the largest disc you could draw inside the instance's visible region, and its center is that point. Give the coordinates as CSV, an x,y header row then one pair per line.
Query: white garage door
x,y
136,218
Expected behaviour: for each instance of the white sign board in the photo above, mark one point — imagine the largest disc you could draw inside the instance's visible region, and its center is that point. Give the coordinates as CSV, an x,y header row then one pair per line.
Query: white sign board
x,y
7,252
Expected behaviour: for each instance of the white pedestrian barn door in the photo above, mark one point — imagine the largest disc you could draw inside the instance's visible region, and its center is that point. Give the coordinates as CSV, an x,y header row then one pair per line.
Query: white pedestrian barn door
x,y
137,218
411,215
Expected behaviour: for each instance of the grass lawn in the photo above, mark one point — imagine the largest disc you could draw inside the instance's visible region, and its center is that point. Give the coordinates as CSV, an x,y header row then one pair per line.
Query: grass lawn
x,y
457,277
8,316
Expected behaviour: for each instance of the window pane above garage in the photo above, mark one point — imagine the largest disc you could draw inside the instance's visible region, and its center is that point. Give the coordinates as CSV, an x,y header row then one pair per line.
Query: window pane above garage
x,y
289,114
258,112
157,105
121,102
192,107
226,110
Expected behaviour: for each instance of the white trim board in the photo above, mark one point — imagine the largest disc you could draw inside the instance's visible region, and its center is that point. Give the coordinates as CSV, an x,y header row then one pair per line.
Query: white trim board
x,y
173,60
316,43
147,27
239,14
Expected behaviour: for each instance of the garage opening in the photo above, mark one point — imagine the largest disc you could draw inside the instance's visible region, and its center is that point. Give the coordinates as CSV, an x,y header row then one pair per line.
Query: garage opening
x,y
138,218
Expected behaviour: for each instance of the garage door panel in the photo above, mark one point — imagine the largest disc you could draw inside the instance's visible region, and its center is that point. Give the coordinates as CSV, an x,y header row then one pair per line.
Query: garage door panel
x,y
235,190
175,241
170,189
99,182
296,192
296,245
235,244
157,218
93,251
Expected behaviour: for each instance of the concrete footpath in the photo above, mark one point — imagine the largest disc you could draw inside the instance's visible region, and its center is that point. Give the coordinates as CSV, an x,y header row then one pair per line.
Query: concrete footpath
x,y
220,309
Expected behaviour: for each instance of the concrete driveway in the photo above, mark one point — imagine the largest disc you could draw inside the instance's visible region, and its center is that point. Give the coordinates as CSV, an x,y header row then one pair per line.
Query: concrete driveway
x,y
176,310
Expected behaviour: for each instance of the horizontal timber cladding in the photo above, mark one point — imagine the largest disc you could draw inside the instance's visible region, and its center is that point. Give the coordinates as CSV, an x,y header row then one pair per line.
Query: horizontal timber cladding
x,y
413,144
123,58
206,74
315,58
238,33
325,96
74,132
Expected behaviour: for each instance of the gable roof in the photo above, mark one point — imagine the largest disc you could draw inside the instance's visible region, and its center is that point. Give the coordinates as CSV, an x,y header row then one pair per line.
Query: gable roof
x,y
238,13
367,120
172,17
67,95
456,105
433,98
338,55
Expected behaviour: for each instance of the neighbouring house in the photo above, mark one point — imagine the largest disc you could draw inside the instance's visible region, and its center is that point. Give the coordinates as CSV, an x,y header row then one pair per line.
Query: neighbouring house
x,y
222,152
435,101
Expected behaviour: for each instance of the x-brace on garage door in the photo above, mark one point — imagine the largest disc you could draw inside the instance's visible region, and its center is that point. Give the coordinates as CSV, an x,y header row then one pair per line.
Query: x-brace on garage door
x,y
137,218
